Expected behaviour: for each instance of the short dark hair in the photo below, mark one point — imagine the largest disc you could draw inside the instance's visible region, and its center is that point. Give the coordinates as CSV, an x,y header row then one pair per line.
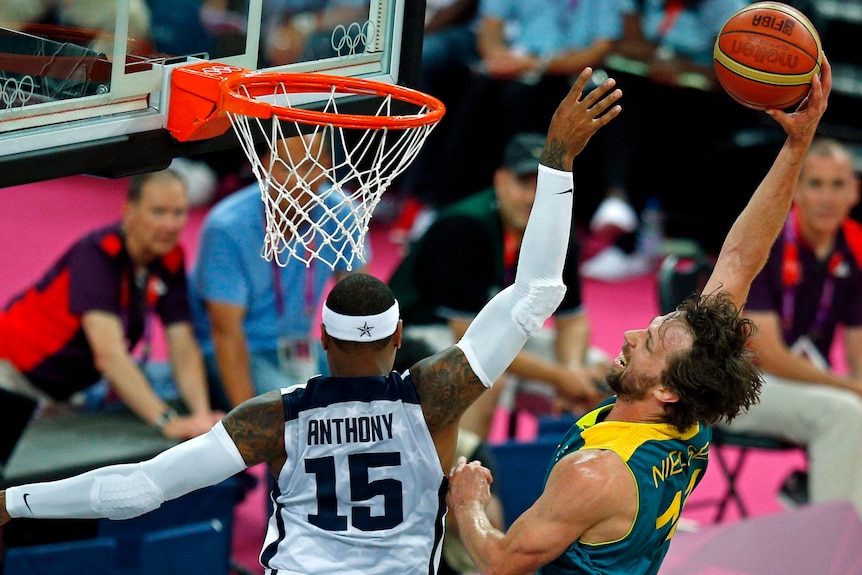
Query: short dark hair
x,y
718,377
138,181
360,294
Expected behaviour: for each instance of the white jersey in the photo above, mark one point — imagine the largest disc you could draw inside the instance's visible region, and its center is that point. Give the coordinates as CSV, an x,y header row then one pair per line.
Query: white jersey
x,y
362,490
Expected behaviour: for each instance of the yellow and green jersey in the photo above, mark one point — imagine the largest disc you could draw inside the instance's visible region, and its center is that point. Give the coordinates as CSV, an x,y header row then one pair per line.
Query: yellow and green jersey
x,y
666,464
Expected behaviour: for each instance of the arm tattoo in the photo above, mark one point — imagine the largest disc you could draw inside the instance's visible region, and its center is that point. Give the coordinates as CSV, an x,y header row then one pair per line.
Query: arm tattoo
x,y
553,156
257,428
447,386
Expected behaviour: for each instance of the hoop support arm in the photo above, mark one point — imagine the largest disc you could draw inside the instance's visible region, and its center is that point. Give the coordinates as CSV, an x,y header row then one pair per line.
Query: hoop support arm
x,y
194,112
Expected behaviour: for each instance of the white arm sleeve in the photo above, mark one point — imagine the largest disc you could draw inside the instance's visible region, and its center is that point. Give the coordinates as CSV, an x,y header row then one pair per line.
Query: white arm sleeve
x,y
501,329
132,489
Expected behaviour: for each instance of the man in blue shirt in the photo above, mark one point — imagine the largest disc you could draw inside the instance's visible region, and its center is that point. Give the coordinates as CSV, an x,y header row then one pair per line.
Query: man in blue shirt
x,y
529,52
254,318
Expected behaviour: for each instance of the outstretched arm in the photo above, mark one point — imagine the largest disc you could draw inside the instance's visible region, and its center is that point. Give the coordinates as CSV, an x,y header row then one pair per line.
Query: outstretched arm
x,y
492,341
448,381
749,240
132,489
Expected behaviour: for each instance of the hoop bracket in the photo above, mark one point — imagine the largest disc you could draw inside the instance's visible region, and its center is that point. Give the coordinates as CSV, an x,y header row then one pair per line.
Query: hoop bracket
x,y
194,111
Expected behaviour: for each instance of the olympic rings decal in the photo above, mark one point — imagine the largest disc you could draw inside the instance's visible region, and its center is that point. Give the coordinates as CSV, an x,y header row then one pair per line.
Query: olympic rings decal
x,y
16,93
353,39
220,70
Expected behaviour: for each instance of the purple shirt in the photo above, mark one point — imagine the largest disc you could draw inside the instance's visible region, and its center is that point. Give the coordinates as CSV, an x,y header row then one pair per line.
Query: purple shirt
x,y
768,292
40,330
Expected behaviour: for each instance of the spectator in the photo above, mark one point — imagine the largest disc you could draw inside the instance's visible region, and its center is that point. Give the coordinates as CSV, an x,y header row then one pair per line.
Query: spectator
x,y
254,318
300,31
467,255
674,40
81,322
529,52
360,456
178,28
620,478
812,284
448,52
664,60
449,15
91,15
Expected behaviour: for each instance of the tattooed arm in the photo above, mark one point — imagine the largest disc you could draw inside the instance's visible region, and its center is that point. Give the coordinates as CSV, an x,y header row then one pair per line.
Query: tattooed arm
x,y
257,428
4,515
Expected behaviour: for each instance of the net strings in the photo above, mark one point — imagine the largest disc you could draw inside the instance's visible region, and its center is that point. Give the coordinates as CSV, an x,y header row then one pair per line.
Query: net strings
x,y
319,201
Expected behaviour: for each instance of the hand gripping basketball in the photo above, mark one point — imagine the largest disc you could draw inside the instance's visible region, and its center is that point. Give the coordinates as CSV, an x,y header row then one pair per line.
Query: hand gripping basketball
x,y
766,55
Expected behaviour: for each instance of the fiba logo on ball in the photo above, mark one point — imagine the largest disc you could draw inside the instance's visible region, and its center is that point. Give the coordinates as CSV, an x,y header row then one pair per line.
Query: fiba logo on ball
x,y
766,55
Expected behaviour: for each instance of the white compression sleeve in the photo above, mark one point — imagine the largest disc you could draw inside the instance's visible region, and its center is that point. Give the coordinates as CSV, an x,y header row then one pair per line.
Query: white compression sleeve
x,y
501,329
546,239
132,489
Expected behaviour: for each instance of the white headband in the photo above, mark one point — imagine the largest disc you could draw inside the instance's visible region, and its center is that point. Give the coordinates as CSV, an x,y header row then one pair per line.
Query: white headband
x,y
361,328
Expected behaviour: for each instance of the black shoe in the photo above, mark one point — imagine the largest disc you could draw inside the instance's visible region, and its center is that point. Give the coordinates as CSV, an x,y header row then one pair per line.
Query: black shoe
x,y
794,490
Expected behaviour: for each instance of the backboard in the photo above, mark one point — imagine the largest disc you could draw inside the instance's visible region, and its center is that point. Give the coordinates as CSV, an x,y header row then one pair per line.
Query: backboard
x,y
86,89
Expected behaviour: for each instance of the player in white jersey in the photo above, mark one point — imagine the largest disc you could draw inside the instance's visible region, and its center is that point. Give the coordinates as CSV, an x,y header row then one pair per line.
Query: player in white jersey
x,y
361,478
360,456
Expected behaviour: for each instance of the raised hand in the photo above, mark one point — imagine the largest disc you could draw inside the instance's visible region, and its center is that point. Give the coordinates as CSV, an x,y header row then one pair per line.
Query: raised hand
x,y
577,118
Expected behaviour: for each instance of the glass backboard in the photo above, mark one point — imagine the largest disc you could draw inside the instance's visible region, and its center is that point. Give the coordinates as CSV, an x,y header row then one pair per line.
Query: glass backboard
x,y
85,87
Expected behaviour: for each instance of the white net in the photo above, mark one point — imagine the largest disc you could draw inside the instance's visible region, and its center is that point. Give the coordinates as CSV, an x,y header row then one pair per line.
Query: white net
x,y
320,190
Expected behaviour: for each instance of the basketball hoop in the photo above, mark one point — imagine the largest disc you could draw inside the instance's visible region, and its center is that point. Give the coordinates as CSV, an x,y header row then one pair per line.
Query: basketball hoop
x,y
319,191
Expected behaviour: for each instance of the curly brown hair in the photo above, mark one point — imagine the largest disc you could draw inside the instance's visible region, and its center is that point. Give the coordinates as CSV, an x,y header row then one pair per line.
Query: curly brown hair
x,y
717,378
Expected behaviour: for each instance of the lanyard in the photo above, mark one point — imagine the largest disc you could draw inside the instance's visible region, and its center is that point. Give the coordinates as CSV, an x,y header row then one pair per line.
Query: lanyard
x,y
511,247
278,288
150,289
672,10
791,275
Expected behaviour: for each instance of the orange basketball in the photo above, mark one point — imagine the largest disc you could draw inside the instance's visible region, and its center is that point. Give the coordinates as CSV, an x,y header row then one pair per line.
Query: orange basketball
x,y
766,54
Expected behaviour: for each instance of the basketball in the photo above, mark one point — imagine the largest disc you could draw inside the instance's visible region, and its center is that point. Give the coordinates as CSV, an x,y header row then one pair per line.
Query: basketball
x,y
766,54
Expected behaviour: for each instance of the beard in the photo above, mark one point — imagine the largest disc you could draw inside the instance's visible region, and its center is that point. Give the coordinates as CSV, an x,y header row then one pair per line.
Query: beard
x,y
627,386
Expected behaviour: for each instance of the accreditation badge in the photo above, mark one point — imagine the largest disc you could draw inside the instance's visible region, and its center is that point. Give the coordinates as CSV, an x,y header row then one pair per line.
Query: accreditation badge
x,y
298,358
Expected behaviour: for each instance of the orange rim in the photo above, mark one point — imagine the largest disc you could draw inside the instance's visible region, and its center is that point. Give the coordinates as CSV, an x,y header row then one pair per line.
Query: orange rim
x,y
258,84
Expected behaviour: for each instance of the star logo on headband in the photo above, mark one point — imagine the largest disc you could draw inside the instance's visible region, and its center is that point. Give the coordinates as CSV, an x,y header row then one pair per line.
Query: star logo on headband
x,y
365,330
